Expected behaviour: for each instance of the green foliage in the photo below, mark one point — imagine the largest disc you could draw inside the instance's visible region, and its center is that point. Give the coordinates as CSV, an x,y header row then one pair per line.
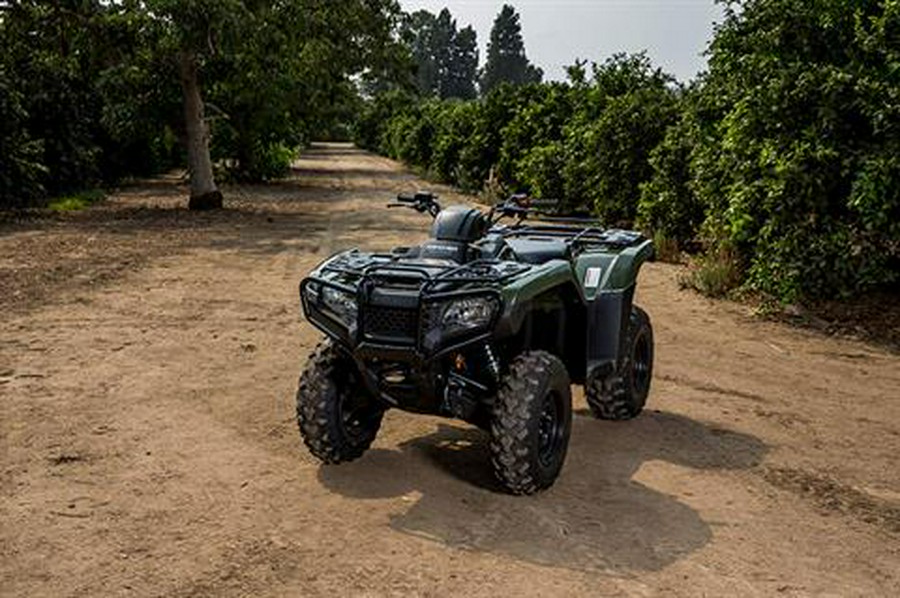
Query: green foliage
x,y
608,157
620,116
280,72
48,98
78,201
800,172
716,273
263,162
668,204
667,249
541,115
506,60
456,124
581,143
90,90
371,123
541,170
786,152
783,161
21,170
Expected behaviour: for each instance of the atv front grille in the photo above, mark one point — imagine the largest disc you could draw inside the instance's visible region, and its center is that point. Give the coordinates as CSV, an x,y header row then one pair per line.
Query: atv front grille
x,y
391,324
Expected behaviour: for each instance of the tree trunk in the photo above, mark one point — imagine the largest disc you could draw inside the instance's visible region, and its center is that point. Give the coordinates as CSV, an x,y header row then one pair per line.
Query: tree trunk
x,y
204,194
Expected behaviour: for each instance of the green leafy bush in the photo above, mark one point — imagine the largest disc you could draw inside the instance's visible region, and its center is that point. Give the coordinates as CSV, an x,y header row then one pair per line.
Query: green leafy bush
x,y
77,201
586,144
540,171
263,162
21,171
716,273
668,205
609,157
800,170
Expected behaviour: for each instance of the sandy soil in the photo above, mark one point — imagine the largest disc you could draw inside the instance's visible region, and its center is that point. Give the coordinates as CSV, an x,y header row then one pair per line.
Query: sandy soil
x,y
148,361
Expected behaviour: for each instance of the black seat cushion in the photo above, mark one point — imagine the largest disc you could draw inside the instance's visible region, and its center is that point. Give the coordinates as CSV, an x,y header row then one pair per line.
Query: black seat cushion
x,y
538,251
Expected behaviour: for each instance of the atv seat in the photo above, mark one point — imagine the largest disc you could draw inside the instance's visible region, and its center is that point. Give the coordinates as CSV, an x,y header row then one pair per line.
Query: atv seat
x,y
538,251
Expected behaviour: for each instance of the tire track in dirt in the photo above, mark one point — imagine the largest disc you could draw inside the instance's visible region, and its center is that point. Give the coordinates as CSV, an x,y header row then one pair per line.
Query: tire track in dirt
x,y
834,497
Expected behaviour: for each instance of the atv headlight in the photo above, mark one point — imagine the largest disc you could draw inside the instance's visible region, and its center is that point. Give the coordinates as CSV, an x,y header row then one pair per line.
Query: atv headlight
x,y
471,313
342,305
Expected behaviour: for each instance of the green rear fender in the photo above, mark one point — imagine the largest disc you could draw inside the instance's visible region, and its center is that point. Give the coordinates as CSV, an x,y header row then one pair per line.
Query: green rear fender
x,y
604,271
607,280
593,273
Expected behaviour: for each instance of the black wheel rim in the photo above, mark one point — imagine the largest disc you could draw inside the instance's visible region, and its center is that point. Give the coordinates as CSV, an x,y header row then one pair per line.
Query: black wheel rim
x,y
640,364
353,413
550,430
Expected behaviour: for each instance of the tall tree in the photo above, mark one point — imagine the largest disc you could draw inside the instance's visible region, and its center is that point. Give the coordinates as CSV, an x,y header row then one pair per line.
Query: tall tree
x,y
506,60
292,73
446,57
191,32
418,34
462,69
273,69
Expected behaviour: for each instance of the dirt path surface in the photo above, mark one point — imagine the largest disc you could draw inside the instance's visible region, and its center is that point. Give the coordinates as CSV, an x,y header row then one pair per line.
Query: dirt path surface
x,y
148,361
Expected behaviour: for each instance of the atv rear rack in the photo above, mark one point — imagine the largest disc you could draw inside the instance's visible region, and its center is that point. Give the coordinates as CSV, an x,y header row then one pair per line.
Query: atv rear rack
x,y
576,235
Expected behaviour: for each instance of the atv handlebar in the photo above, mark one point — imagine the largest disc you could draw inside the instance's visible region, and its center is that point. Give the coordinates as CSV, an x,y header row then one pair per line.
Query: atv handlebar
x,y
421,202
519,206
522,206
516,206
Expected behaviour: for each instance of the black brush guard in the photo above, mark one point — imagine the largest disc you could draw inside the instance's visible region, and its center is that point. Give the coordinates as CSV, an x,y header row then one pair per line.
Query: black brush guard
x,y
398,304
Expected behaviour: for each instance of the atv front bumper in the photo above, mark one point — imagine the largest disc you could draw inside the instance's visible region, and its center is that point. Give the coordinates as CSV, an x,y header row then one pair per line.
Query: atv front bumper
x,y
404,356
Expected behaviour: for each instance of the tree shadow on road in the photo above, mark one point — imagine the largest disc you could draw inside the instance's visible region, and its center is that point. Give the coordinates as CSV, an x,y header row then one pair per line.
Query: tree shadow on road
x,y
596,518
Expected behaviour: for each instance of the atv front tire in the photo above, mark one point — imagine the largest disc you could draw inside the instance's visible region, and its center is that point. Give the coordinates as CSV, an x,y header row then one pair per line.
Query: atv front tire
x,y
622,394
338,420
531,423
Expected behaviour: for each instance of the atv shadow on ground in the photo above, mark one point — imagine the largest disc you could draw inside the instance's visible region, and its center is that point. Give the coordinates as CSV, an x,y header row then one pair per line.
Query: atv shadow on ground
x,y
596,518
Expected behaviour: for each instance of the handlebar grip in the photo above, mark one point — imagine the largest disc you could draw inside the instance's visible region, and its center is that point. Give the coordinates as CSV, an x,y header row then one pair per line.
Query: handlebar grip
x,y
406,198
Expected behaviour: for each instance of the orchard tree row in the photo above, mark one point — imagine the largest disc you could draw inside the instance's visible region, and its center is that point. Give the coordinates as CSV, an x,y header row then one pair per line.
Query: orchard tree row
x,y
92,91
781,163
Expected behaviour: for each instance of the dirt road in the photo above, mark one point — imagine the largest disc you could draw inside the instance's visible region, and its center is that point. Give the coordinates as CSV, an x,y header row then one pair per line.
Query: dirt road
x,y
148,361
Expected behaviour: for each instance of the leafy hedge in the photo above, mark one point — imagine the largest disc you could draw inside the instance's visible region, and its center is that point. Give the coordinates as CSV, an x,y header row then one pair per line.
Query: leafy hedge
x,y
784,157
587,144
791,148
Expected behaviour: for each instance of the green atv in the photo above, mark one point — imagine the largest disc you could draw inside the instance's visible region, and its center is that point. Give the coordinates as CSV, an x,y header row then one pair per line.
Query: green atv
x,y
488,322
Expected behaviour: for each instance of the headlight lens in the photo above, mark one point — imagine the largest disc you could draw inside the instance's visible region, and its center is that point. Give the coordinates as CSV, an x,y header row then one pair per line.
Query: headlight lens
x,y
341,304
467,314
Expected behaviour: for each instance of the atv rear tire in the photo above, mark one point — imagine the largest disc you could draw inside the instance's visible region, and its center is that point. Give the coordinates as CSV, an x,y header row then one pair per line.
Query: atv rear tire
x,y
622,394
338,420
531,423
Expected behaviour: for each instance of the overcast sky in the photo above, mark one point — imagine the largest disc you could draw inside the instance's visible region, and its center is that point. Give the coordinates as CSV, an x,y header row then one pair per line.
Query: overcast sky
x,y
556,32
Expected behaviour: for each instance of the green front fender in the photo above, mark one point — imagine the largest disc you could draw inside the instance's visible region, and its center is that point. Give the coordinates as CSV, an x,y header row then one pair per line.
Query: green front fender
x,y
518,294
